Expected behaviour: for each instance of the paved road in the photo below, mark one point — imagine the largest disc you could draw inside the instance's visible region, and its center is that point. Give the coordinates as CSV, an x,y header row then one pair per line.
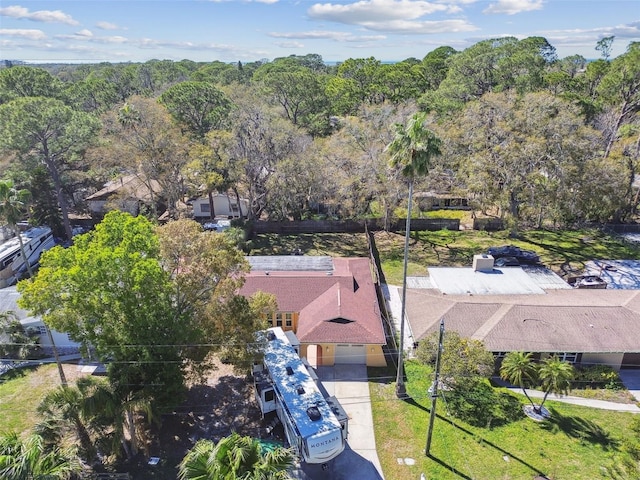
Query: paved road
x,y
359,461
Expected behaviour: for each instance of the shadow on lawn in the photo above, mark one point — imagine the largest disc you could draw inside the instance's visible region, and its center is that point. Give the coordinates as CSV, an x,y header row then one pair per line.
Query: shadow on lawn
x,y
579,428
474,435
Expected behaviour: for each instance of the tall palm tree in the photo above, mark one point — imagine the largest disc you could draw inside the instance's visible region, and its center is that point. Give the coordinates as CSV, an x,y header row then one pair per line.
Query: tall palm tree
x,y
556,377
29,459
12,209
411,150
518,369
235,457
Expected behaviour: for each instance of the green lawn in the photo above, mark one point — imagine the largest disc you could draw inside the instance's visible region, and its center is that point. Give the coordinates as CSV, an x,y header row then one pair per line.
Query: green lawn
x,y
565,252
20,393
573,445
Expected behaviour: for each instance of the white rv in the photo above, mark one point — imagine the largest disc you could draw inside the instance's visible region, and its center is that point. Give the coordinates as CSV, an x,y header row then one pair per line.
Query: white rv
x,y
12,264
314,426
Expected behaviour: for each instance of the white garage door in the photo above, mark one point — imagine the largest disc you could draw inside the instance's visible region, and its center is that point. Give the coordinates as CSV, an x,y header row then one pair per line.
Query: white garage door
x,y
356,354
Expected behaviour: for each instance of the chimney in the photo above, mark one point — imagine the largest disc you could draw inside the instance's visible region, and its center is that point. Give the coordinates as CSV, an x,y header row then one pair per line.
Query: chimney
x,y
483,263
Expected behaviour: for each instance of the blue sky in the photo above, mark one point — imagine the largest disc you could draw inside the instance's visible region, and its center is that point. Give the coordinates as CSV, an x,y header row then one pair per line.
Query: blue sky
x,y
249,30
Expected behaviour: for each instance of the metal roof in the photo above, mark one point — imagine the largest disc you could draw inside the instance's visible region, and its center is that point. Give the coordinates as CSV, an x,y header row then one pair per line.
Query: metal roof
x,y
9,303
526,279
498,281
290,263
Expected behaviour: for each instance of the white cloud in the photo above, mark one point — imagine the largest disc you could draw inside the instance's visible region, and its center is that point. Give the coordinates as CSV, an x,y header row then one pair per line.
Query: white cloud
x,y
224,49
511,7
629,30
85,33
107,26
368,11
296,45
392,16
23,33
87,36
326,35
427,27
47,16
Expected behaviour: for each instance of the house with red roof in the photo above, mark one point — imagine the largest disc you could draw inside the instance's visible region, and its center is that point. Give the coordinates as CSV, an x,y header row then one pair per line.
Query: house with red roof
x,y
329,303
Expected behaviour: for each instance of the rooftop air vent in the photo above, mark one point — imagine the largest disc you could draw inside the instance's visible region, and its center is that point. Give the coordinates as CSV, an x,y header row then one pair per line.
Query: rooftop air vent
x,y
314,413
300,390
289,370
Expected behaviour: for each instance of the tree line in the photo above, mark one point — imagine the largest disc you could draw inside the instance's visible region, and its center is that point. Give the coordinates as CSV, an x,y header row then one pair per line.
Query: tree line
x,y
525,136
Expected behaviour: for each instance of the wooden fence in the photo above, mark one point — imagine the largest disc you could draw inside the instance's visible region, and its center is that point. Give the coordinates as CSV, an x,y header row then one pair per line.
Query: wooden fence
x,y
350,226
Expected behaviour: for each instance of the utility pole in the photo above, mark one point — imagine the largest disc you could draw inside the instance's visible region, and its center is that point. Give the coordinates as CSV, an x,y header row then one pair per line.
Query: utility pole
x,y
401,391
434,395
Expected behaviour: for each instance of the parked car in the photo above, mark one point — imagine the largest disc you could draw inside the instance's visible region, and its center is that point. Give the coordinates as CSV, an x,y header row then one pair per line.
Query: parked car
x,y
507,262
217,226
522,256
587,281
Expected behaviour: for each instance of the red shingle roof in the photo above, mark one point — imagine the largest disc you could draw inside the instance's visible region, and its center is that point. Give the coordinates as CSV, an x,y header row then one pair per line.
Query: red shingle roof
x,y
338,307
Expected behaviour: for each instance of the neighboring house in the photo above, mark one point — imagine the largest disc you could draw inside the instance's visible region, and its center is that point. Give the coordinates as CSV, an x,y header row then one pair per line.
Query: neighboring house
x,y
9,303
224,206
329,303
441,201
129,193
528,309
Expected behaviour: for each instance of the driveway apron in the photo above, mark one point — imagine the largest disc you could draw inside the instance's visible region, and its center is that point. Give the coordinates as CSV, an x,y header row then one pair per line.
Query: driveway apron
x,y
359,461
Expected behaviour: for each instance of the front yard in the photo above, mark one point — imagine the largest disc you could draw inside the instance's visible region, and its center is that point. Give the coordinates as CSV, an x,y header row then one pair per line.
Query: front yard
x,y
574,444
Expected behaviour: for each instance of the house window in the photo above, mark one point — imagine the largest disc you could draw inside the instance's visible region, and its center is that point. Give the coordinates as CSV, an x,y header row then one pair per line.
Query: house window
x,y
205,208
288,320
278,319
568,357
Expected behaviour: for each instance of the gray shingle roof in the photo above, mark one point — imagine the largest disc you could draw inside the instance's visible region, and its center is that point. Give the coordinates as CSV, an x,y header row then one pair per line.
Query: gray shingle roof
x,y
596,321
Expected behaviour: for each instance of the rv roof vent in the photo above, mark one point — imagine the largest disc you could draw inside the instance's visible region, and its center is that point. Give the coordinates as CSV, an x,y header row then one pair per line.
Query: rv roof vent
x,y
314,413
271,335
300,389
289,370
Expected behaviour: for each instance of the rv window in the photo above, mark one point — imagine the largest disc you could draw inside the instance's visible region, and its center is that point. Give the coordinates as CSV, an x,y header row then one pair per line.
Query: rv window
x,y
269,395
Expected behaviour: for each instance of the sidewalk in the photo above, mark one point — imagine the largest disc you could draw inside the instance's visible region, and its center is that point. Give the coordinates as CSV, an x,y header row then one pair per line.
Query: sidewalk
x,y
585,402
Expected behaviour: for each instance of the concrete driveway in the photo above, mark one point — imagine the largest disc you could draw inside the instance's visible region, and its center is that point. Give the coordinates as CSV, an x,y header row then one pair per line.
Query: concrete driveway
x,y
359,461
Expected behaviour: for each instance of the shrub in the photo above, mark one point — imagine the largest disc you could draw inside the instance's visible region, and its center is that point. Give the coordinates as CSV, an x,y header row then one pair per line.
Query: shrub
x,y
597,376
480,405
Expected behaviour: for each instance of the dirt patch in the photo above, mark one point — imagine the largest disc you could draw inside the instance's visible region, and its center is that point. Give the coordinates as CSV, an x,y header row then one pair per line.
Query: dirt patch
x,y
213,410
